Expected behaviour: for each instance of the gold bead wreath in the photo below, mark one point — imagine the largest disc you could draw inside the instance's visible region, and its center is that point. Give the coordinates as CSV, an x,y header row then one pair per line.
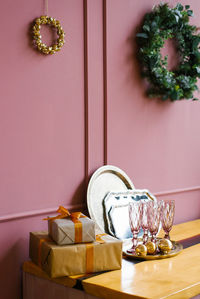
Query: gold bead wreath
x,y
46,20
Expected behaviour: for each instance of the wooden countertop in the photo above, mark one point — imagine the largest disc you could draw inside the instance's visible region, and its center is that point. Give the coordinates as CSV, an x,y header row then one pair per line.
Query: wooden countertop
x,y
176,277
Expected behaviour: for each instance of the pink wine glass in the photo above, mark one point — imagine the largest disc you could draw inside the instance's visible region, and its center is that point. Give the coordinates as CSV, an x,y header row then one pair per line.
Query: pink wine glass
x,y
135,212
168,211
154,217
144,222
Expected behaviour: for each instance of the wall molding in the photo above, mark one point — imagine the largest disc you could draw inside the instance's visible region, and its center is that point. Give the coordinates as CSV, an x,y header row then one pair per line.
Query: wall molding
x,y
175,191
105,67
95,87
85,46
33,213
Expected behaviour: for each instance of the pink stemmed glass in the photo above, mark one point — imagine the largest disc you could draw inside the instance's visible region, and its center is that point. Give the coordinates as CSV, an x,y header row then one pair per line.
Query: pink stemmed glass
x,y
168,211
135,212
154,217
144,222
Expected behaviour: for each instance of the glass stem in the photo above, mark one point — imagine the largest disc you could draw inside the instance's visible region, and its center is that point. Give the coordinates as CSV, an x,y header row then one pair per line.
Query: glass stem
x,y
153,238
167,236
145,236
134,240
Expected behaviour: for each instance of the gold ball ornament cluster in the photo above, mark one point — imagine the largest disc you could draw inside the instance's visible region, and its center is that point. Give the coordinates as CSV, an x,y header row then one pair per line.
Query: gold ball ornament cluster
x,y
46,20
164,246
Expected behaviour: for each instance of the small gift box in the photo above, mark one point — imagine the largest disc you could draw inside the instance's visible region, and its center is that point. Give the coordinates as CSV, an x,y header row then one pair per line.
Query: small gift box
x,y
57,261
70,228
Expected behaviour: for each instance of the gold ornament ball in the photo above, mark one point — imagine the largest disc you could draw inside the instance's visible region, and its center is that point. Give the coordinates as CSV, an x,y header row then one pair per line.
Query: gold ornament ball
x,y
141,250
165,246
151,247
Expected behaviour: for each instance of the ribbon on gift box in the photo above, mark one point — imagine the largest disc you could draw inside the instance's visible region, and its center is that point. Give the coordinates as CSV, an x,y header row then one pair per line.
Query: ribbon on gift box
x,y
90,253
64,213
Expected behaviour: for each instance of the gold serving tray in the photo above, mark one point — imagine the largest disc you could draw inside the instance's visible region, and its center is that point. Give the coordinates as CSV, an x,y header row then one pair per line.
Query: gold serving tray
x,y
177,248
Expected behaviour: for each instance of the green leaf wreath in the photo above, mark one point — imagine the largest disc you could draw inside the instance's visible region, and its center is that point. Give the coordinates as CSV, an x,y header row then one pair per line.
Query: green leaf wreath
x,y
159,25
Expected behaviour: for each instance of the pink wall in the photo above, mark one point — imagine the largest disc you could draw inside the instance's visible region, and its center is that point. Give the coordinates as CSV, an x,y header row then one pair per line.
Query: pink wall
x,y
41,129
64,115
156,143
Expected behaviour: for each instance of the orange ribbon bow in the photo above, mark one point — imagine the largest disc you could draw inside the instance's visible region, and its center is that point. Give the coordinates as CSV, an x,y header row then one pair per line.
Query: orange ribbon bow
x,y
64,213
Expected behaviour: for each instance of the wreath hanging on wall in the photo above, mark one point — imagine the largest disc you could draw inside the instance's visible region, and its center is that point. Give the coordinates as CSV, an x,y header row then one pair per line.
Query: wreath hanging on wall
x,y
37,38
164,23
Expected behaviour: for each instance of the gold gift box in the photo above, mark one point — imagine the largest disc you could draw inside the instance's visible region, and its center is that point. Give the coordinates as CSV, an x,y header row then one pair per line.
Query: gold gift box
x,y
64,231
103,254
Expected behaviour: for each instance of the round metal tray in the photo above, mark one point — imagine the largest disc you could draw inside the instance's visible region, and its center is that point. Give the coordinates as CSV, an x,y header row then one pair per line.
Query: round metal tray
x,y
104,180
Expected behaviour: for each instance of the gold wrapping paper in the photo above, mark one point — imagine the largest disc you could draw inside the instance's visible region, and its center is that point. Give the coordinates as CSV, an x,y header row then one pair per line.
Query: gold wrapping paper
x,y
65,231
75,259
